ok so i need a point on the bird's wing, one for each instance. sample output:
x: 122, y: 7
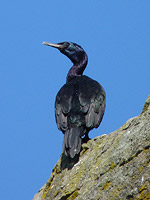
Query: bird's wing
x: 92, y: 100
x: 63, y: 106
x: 88, y: 102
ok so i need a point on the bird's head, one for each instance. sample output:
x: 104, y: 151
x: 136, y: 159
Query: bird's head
x: 73, y: 51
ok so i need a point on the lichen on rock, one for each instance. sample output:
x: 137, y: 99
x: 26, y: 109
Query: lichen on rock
x: 114, y: 166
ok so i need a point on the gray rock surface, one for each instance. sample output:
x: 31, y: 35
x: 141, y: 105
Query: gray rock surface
x: 110, y: 167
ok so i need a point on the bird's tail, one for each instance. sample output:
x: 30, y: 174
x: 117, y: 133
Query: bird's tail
x: 72, y: 141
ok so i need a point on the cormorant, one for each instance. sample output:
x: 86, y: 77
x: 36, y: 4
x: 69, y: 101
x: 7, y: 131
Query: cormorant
x: 80, y: 103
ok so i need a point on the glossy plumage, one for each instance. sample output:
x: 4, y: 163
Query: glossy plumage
x: 80, y: 103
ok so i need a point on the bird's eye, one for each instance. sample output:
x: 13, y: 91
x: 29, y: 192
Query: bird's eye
x: 66, y: 44
x: 71, y: 47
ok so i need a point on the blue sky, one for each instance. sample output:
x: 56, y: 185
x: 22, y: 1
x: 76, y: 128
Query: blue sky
x: 116, y: 37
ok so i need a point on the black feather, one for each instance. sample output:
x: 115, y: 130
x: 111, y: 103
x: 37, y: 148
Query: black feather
x: 85, y: 110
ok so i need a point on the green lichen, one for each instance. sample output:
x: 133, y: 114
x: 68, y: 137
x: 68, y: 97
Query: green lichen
x: 65, y: 195
x: 115, y: 194
x: 74, y: 195
x: 112, y: 165
x: 141, y: 168
x: 46, y: 189
x: 69, y: 195
x: 144, y: 194
x: 57, y: 169
x: 142, y: 188
x: 84, y: 149
x: 57, y: 192
x: 146, y: 149
x: 107, y: 185
x: 55, y: 172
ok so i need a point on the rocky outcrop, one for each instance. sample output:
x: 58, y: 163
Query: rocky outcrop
x: 110, y: 167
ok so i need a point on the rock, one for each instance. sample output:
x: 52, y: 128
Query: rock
x: 110, y: 167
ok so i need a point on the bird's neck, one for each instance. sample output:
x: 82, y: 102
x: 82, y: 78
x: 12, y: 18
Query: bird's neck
x: 77, y: 69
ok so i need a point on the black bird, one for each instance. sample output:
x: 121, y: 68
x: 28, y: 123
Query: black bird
x: 80, y: 103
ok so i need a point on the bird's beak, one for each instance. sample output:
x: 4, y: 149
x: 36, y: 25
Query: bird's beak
x: 58, y: 46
